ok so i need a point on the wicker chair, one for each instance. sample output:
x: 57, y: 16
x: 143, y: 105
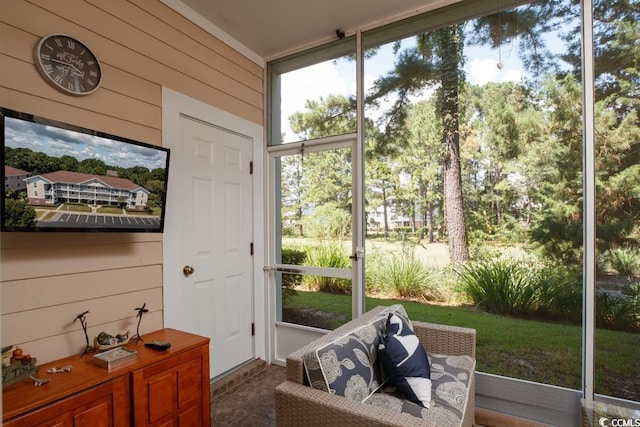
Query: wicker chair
x: 298, y: 404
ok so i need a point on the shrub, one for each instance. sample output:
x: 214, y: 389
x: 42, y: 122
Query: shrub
x: 291, y: 281
x: 499, y: 286
x: 328, y: 221
x: 373, y: 284
x: 626, y: 261
x: 633, y: 293
x: 405, y: 275
x: 559, y: 293
x: 520, y: 288
x: 616, y: 312
x: 329, y: 255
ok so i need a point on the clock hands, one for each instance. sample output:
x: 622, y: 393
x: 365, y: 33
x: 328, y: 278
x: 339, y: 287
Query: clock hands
x: 81, y: 73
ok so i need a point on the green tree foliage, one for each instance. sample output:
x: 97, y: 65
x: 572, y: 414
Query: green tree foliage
x: 17, y: 214
x: 434, y: 62
x: 69, y: 163
x: 157, y: 190
x: 40, y: 163
x: 31, y: 161
x: 420, y: 164
x: 292, y: 194
x: 328, y: 222
x: 93, y: 167
x: 617, y: 110
x: 335, y: 115
x: 518, y: 146
x: 496, y: 196
x: 311, y: 180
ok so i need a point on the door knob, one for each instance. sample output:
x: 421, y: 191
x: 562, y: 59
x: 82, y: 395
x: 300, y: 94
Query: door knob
x: 187, y: 270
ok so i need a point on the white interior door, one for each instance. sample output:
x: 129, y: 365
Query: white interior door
x: 209, y: 216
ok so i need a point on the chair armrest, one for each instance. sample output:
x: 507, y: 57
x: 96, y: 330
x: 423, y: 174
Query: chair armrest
x: 298, y: 405
x: 295, y: 368
x: 445, y: 339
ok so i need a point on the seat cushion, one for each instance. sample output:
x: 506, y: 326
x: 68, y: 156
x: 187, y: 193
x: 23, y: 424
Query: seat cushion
x: 450, y: 377
x: 391, y: 400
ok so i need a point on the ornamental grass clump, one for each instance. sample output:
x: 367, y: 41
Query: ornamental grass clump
x: 406, y: 277
x: 559, y: 293
x: 328, y: 255
x: 626, y: 261
x: 502, y: 286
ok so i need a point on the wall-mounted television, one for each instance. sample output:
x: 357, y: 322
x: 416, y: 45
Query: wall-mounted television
x: 60, y: 177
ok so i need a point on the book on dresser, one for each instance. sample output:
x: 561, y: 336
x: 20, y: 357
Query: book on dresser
x: 115, y: 357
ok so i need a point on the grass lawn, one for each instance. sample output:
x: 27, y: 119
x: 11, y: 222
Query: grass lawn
x: 74, y: 208
x: 544, y: 352
x: 110, y: 210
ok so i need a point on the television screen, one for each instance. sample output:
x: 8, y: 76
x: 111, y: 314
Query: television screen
x: 60, y: 177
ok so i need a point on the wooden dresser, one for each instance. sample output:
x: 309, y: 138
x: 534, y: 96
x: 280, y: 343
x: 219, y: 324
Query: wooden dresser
x: 155, y: 388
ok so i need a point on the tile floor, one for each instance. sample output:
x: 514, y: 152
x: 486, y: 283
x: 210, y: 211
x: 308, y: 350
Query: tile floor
x: 246, y: 398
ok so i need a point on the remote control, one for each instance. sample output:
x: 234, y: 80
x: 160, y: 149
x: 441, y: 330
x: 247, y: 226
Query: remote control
x: 158, y: 345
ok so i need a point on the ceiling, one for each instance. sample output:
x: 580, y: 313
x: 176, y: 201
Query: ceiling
x: 271, y: 28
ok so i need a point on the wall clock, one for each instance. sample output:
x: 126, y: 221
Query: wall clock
x: 68, y: 64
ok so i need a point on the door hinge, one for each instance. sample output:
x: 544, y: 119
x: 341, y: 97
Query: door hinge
x: 251, y: 167
x: 253, y: 329
x: 251, y: 249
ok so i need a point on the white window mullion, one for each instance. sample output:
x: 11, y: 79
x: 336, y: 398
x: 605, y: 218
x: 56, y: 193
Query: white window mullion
x: 359, y: 224
x: 589, y: 203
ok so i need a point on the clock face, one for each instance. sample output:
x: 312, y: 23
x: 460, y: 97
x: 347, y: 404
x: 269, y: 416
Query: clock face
x: 68, y: 64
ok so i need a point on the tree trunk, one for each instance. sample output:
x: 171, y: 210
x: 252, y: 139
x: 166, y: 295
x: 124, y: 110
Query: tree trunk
x: 453, y: 201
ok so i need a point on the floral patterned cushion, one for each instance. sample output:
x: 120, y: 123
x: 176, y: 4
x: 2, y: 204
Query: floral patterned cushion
x: 389, y: 399
x: 450, y: 376
x: 348, y: 365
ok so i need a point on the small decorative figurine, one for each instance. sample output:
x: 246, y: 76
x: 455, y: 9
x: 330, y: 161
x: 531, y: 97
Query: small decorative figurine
x: 105, y: 341
x: 141, y: 311
x: 17, y: 366
x: 83, y: 322
x: 54, y: 370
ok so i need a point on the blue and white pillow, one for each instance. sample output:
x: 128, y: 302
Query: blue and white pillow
x: 405, y: 361
x: 348, y: 366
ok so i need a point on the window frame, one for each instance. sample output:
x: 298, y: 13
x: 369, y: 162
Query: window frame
x: 520, y: 398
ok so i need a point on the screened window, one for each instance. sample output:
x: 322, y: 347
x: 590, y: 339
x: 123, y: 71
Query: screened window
x: 617, y: 151
x: 312, y: 95
x: 474, y: 187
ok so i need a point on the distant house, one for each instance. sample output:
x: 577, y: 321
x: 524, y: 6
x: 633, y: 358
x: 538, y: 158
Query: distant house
x: 63, y: 186
x: 14, y: 178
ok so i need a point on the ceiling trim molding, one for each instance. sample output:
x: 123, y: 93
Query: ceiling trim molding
x: 433, y: 5
x: 213, y: 29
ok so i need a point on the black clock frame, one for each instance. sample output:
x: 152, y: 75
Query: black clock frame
x: 68, y: 64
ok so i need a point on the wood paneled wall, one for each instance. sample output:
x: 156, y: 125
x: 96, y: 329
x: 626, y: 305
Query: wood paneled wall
x: 49, y: 278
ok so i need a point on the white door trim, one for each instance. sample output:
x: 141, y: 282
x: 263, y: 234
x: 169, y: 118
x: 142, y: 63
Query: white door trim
x: 175, y: 105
